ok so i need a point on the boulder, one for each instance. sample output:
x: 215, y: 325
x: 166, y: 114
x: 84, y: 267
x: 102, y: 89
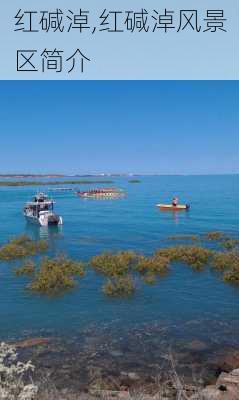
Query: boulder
x: 229, y: 362
x: 232, y: 378
x: 219, y: 393
x: 133, y: 376
x: 226, y: 388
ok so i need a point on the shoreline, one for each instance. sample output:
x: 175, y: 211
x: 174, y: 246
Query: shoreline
x: 52, y: 183
x: 95, y: 365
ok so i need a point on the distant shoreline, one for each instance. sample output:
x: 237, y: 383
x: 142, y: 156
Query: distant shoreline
x: 51, y: 183
x: 25, y: 176
x: 49, y: 176
x: 110, y: 175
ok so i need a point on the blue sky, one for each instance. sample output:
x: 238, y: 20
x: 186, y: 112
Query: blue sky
x: 163, y: 127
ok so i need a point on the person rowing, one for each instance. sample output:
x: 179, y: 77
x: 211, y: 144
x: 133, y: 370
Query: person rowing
x: 175, y: 202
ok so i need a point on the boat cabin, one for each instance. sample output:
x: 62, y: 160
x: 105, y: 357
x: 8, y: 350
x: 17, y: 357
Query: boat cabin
x: 39, y: 204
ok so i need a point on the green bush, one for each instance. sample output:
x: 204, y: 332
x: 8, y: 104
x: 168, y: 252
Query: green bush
x: 184, y: 237
x: 222, y: 261
x: 150, y: 278
x: 114, y: 264
x: 16, y: 376
x: 119, y: 287
x: 22, y: 246
x: 230, y: 244
x: 56, y: 275
x: 214, y: 236
x: 155, y: 265
x: 232, y: 276
x: 196, y: 257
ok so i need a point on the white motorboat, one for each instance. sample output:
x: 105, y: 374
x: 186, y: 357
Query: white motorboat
x: 41, y: 211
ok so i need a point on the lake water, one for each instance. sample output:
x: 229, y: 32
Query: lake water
x: 179, y: 301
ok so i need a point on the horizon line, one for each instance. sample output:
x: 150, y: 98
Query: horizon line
x: 128, y: 174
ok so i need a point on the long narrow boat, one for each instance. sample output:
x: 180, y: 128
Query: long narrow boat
x: 102, y: 193
x: 170, y: 207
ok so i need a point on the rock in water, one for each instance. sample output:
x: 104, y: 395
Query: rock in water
x: 31, y: 342
x: 226, y: 388
x: 197, y: 345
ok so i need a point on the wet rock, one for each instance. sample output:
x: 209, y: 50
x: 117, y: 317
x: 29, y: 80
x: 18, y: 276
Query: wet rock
x: 229, y: 379
x: 226, y: 388
x: 214, y: 393
x: 134, y: 381
x: 116, y: 353
x: 196, y: 345
x: 133, y: 376
x: 231, y: 361
x: 225, y: 362
x: 31, y: 342
x: 114, y: 395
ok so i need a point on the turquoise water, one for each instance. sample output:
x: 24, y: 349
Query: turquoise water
x: 93, y: 226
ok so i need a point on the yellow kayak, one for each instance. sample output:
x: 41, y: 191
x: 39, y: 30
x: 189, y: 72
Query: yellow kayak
x: 170, y: 207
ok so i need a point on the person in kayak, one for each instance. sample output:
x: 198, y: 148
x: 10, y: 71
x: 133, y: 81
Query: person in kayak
x: 175, y: 202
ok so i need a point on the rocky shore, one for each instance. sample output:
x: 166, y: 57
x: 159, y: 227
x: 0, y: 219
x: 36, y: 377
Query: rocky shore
x: 138, y: 364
